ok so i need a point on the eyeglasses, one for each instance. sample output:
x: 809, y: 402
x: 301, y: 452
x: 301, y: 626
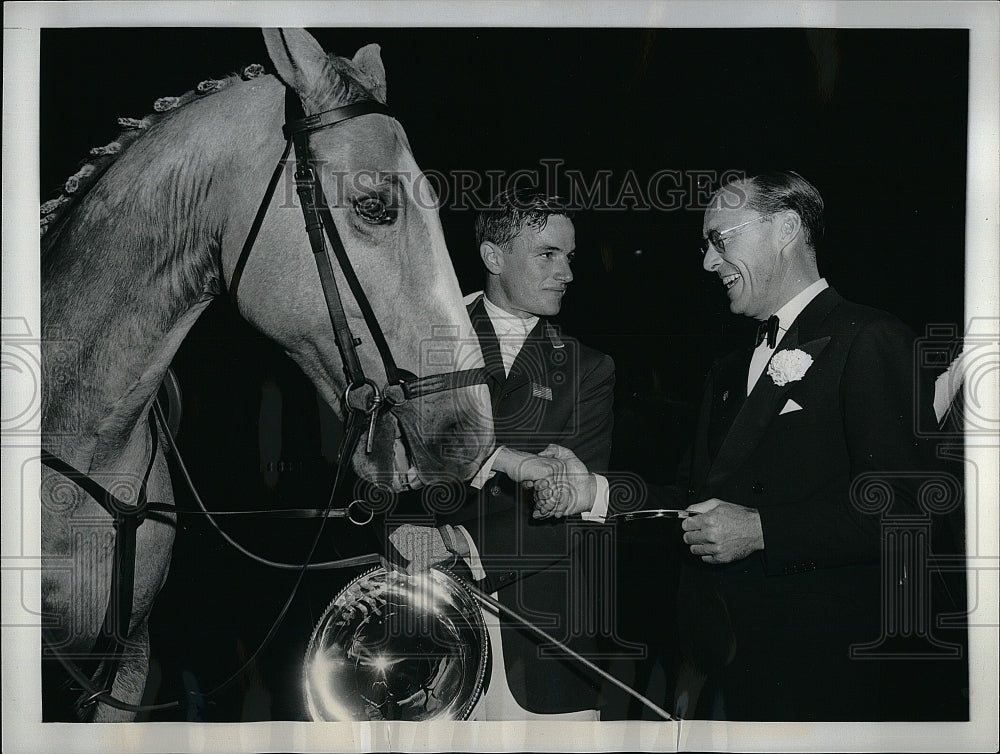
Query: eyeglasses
x: 717, y: 240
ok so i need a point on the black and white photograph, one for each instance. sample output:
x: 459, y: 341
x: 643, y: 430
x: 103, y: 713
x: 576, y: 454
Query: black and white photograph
x: 386, y: 376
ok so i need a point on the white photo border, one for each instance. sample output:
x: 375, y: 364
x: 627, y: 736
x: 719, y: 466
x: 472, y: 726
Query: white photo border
x: 21, y: 646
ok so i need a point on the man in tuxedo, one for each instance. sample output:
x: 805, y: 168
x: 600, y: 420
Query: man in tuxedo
x: 545, y: 388
x: 805, y: 446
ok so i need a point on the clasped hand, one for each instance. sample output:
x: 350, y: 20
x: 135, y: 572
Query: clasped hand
x: 561, y: 483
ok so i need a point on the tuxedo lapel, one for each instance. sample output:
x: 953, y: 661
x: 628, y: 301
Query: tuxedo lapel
x: 764, y: 402
x: 729, y: 395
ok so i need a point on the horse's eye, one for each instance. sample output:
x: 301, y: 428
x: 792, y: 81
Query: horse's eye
x: 373, y: 210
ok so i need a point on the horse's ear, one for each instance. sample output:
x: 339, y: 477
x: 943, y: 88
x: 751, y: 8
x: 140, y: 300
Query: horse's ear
x: 303, y: 65
x: 368, y: 60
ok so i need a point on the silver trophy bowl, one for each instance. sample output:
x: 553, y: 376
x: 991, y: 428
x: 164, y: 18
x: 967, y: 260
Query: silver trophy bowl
x: 397, y: 647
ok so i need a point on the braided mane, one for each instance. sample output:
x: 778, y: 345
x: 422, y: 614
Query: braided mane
x: 101, y: 158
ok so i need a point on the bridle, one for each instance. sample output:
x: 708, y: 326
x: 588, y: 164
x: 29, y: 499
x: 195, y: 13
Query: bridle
x: 362, y: 400
x: 362, y: 396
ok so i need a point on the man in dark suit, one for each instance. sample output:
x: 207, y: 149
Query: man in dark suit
x: 545, y: 388
x: 805, y: 446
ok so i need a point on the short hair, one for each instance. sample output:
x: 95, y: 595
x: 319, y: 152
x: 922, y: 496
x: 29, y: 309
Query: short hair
x: 513, y: 210
x: 777, y: 190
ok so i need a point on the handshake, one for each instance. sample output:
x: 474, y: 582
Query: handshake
x: 561, y: 483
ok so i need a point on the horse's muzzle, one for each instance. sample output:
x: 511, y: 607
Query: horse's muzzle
x: 446, y: 437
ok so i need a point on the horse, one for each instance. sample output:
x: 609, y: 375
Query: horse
x: 151, y: 230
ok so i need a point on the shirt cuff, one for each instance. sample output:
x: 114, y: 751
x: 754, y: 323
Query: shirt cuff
x: 473, y: 561
x: 599, y: 511
x: 486, y: 472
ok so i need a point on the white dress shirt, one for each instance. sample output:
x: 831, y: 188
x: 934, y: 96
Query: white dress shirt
x: 786, y: 316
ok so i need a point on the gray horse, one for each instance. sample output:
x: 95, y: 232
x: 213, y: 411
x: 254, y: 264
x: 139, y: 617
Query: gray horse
x: 149, y: 232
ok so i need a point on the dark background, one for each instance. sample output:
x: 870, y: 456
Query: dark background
x: 876, y: 119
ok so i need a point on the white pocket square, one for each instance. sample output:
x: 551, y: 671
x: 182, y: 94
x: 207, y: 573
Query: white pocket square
x: 789, y: 407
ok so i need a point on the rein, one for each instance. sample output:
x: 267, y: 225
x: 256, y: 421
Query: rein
x: 126, y: 520
x: 114, y: 631
x: 362, y: 399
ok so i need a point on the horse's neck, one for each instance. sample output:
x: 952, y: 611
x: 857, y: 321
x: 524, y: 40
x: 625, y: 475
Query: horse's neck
x: 137, y: 264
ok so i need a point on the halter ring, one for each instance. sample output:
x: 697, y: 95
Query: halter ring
x: 376, y: 399
x: 393, y: 388
x: 355, y: 521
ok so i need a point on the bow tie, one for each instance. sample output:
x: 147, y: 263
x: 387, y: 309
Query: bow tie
x: 767, y: 329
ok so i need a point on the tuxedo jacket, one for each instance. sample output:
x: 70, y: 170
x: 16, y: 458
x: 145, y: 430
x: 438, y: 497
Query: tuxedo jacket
x: 558, y: 391
x: 829, y: 459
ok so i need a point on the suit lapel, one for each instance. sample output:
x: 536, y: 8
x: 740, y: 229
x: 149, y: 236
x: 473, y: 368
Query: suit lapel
x: 764, y: 401
x: 512, y: 395
x: 526, y: 398
x: 728, y: 397
x: 530, y: 364
x: 495, y: 375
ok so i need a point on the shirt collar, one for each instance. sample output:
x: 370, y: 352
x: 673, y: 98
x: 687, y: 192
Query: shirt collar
x: 789, y: 312
x: 505, y: 323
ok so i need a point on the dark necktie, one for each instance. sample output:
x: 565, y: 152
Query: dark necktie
x: 769, y: 330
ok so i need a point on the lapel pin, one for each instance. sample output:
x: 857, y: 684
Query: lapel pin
x: 725, y: 396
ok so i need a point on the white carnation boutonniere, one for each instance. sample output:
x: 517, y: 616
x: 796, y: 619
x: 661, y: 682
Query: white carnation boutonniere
x: 788, y: 366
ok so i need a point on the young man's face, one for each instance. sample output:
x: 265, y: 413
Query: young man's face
x: 535, y: 271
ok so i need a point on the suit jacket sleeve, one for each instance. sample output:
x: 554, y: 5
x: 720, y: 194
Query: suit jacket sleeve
x: 841, y: 524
